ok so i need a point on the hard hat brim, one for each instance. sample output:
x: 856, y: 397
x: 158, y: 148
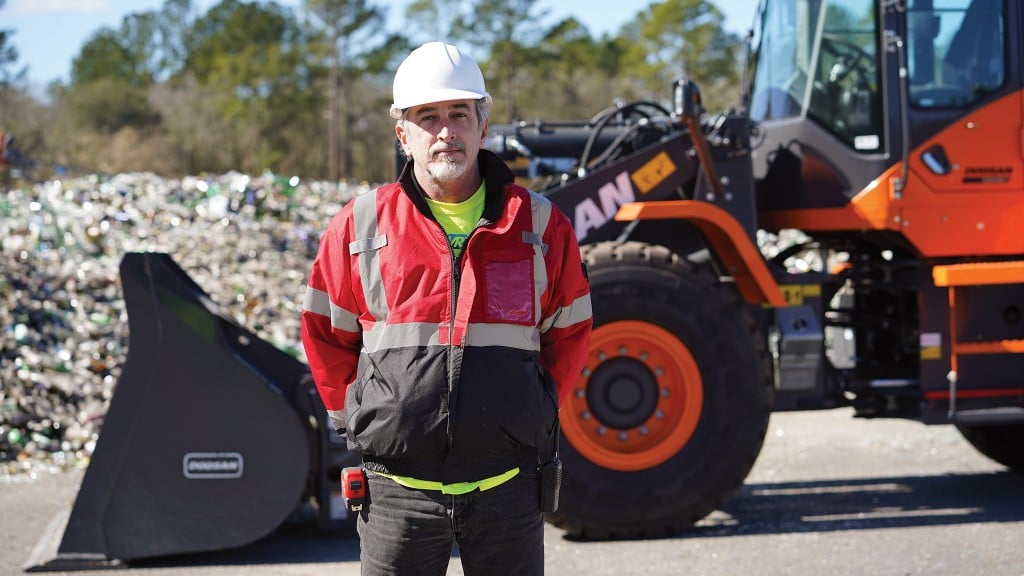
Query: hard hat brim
x: 438, y: 96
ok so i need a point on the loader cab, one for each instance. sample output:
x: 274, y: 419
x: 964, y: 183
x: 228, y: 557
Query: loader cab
x: 841, y: 90
x: 816, y: 96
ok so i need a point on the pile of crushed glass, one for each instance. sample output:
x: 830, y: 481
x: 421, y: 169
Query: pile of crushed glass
x: 248, y: 241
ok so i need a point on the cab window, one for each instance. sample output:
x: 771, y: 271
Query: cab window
x: 820, y: 60
x: 956, y: 51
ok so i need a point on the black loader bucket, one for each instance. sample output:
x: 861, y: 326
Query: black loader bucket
x: 213, y: 438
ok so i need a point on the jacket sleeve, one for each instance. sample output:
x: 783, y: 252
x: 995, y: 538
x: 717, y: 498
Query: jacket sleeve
x: 567, y: 318
x: 331, y: 334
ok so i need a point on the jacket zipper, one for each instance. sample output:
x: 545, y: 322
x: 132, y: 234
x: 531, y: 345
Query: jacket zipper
x: 456, y: 281
x: 453, y: 372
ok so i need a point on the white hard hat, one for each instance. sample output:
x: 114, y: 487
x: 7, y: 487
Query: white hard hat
x: 436, y: 72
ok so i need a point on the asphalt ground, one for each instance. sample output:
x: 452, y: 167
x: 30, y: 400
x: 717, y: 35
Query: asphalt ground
x: 829, y: 495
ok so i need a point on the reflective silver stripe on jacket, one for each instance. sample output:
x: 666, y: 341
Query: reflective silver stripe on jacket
x: 387, y: 336
x: 578, y: 311
x: 384, y: 336
x: 318, y: 302
x: 508, y: 335
x: 540, y: 210
x: 366, y: 245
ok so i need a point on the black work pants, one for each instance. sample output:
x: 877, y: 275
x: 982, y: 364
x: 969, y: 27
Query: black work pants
x: 405, y: 531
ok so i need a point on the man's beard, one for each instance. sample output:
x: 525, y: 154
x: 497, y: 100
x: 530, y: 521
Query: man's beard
x: 447, y: 169
x: 444, y: 168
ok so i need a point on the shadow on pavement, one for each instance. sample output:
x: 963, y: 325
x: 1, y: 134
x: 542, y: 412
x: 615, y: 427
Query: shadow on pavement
x: 298, y: 543
x: 865, y: 504
x: 870, y: 503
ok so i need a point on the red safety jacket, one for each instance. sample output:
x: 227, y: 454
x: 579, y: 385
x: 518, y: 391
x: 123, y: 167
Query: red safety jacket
x: 440, y: 369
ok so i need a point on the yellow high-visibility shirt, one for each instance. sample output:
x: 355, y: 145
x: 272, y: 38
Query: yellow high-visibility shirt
x: 459, y: 219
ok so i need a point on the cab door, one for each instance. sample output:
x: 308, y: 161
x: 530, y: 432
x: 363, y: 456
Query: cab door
x: 963, y: 195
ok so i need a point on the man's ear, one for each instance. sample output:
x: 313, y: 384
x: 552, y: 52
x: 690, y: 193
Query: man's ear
x: 402, y: 137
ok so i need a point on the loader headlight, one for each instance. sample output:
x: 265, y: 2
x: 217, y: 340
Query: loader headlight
x: 686, y: 98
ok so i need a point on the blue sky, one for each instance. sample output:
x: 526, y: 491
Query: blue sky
x: 49, y: 33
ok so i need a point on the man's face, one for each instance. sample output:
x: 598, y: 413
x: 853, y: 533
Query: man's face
x: 442, y: 137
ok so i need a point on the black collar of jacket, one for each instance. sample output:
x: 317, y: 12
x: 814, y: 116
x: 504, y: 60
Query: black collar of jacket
x: 496, y: 175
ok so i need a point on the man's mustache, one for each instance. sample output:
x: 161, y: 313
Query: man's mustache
x: 449, y: 146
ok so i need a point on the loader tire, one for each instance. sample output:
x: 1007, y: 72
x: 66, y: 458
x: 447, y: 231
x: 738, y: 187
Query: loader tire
x: 1000, y: 443
x: 671, y: 410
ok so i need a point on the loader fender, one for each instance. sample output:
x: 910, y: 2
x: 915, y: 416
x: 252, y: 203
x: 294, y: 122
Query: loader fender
x: 727, y: 239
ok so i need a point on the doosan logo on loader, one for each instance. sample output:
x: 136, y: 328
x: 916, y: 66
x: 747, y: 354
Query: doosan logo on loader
x: 205, y: 465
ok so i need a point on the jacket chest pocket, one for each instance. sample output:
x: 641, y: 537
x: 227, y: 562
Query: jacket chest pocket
x: 509, y: 287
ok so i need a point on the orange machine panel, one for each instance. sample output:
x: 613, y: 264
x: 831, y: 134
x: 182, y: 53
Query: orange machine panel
x: 974, y: 209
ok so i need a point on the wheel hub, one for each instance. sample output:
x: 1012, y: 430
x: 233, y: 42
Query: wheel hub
x: 622, y: 393
x: 638, y: 400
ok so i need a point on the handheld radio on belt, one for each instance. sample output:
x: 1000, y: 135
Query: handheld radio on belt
x: 353, y: 488
x: 551, y: 478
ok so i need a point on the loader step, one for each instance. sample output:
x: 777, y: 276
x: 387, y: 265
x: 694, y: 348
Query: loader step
x: 997, y: 347
x: 979, y: 273
x: 989, y: 416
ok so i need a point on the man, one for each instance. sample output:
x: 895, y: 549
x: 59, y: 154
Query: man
x: 446, y: 315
